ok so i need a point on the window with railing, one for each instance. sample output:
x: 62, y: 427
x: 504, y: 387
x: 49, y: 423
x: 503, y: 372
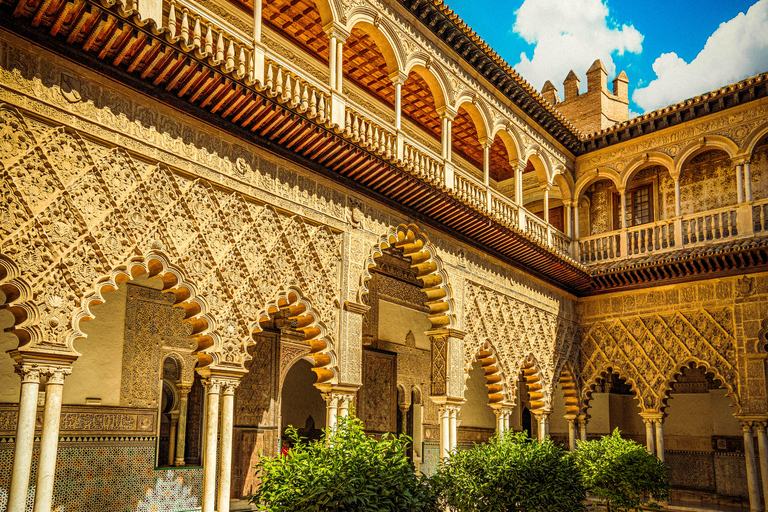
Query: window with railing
x: 639, y: 207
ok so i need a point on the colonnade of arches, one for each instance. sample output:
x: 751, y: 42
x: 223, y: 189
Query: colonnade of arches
x: 673, y: 189
x: 415, y: 95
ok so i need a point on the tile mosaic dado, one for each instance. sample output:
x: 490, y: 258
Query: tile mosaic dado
x: 110, y: 474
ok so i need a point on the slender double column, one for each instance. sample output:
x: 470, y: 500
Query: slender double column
x: 502, y: 419
x: 542, y: 420
x: 583, y: 420
x: 225, y: 454
x: 650, y: 444
x: 762, y: 444
x: 25, y: 436
x: 49, y: 440
x: 212, y: 395
x: 448, y: 428
x: 749, y: 456
x: 659, y: 424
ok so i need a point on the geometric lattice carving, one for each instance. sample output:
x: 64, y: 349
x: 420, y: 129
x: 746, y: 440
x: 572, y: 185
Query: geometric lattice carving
x: 517, y: 332
x: 78, y: 227
x: 649, y: 351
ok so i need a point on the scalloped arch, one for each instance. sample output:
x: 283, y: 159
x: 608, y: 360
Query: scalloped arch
x: 431, y: 271
x: 589, y: 387
x: 298, y: 308
x: 666, y: 388
x: 495, y: 376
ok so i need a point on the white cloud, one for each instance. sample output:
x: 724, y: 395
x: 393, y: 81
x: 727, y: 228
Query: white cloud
x: 570, y: 35
x: 736, y: 50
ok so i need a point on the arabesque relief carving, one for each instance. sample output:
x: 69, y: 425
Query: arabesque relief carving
x: 76, y: 219
x: 517, y: 332
x: 648, y: 350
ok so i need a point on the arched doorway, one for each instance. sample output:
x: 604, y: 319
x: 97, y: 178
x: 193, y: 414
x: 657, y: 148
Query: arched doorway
x: 301, y: 403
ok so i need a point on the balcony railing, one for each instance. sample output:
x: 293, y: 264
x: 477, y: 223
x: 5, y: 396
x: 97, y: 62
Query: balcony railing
x: 195, y: 25
x: 721, y: 224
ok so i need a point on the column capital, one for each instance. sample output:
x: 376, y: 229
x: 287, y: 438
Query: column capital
x: 546, y: 187
x: 485, y: 142
x: 334, y: 29
x: 543, y: 414
x: 654, y: 416
x: 184, y: 388
x: 56, y: 374
x: 447, y: 112
x: 398, y: 77
x: 28, y: 372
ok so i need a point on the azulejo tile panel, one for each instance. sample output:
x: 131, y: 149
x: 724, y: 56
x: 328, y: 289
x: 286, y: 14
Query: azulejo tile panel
x: 113, y: 474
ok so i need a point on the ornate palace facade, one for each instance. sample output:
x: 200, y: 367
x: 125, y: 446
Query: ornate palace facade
x: 217, y: 224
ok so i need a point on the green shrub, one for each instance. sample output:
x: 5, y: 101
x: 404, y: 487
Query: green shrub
x: 346, y: 471
x: 620, y: 472
x: 510, y: 473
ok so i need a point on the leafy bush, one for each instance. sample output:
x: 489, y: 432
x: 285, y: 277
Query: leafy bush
x: 510, y: 473
x: 620, y: 472
x: 346, y: 471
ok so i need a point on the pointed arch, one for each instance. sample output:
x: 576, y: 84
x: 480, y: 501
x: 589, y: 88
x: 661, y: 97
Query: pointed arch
x: 430, y: 271
x: 292, y: 305
x: 672, y: 376
x: 538, y: 394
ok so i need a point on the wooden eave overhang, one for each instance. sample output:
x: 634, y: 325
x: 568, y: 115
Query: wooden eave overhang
x: 714, y: 260
x: 730, y: 96
x: 115, y: 42
x: 436, y: 16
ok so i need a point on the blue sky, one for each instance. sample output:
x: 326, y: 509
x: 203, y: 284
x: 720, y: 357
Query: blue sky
x: 671, y: 50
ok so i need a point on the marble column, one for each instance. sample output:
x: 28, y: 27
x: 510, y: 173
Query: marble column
x: 583, y: 426
x: 344, y: 404
x: 172, y: 441
x: 545, y: 189
x: 739, y: 185
x: 25, y: 436
x: 339, y: 64
x: 678, y: 204
x: 659, y: 423
x: 762, y: 444
x: 225, y: 454
x: 332, y: 61
x: 650, y: 444
x: 748, y: 181
x: 398, y: 103
x: 213, y: 389
x: 486, y: 162
x: 453, y: 425
x: 49, y: 440
x: 331, y: 409
x: 445, y: 436
x: 572, y: 433
x: 181, y: 434
x: 749, y: 456
x: 501, y: 417
x: 542, y: 419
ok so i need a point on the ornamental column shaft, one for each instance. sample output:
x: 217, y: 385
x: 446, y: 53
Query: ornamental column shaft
x: 181, y: 434
x: 331, y: 409
x: 213, y: 389
x: 583, y: 427
x: 174, y: 417
x: 332, y: 62
x: 650, y: 444
x: 678, y: 205
x: 445, y: 441
x: 398, y: 104
x: 749, y: 457
x: 49, y: 440
x: 225, y: 455
x: 453, y: 412
x: 762, y: 444
x: 660, y: 439
x: 25, y: 437
x: 339, y: 65
x: 572, y: 434
x: 542, y: 419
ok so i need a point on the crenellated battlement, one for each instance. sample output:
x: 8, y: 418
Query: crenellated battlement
x: 597, y: 108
